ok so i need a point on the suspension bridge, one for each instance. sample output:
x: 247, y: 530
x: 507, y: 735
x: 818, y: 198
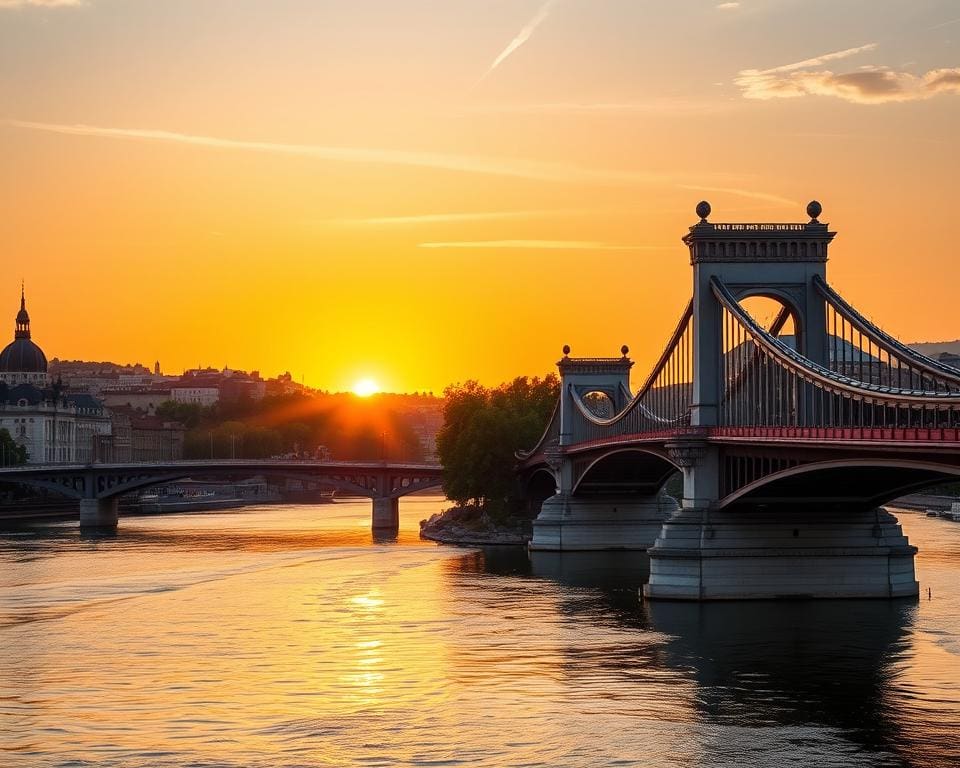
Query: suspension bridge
x: 790, y: 435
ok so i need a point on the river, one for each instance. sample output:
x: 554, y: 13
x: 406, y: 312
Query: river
x: 286, y: 636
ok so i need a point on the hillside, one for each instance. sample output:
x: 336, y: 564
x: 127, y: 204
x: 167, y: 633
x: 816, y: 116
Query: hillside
x: 935, y: 348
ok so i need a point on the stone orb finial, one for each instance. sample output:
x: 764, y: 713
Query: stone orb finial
x: 566, y: 350
x: 814, y: 209
x: 703, y: 210
x: 624, y: 350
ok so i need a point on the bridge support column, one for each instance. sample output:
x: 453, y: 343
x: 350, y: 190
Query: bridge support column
x: 788, y: 553
x: 98, y: 514
x: 572, y: 523
x: 386, y: 515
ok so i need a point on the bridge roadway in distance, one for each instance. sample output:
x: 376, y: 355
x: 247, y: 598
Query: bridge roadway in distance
x: 789, y: 435
x: 99, y: 486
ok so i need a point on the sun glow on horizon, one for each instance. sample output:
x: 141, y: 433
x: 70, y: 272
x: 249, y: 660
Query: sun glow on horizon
x: 366, y: 387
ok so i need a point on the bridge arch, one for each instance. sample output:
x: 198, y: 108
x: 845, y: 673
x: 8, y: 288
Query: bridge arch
x: 788, y: 320
x: 630, y: 470
x: 857, y: 484
x: 141, y: 483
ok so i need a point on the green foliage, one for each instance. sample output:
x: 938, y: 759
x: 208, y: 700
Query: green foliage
x: 188, y: 414
x: 482, y: 431
x: 11, y: 454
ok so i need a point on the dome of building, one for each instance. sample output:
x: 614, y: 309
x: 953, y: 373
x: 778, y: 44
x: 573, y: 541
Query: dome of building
x: 22, y: 355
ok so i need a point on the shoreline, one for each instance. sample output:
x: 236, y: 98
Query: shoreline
x: 472, y: 526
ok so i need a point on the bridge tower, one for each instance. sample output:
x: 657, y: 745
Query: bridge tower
x: 776, y: 261
x: 612, y: 512
x: 707, y: 551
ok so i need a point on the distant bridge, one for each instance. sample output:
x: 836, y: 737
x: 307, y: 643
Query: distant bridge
x: 99, y: 486
x: 788, y: 442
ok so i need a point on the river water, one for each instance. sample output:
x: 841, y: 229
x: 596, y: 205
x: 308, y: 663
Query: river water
x: 286, y: 636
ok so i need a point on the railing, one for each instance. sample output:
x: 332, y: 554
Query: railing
x: 551, y: 435
x: 759, y: 227
x: 769, y: 384
x: 861, y: 350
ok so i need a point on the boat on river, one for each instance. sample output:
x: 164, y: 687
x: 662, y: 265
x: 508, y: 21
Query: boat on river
x: 203, y: 501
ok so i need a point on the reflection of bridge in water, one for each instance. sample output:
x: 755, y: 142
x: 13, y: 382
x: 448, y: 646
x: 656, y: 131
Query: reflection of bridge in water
x: 810, y: 679
x: 99, y: 486
x: 789, y: 436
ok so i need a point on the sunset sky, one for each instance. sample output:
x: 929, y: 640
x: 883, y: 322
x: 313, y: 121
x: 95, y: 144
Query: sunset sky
x: 425, y: 191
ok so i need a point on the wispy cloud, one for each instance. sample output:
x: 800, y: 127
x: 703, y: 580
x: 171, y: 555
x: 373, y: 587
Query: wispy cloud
x: 449, y: 218
x: 521, y: 38
x: 491, y: 166
x: 867, y: 85
x: 649, y: 107
x: 816, y: 61
x: 875, y: 85
x: 765, y: 196
x: 546, y: 245
x: 41, y: 3
x: 943, y: 24
x: 727, y: 6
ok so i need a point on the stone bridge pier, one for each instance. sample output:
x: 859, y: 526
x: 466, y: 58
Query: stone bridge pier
x: 99, y: 514
x: 386, y: 515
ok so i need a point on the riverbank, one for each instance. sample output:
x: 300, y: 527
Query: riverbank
x: 924, y: 502
x: 472, y: 525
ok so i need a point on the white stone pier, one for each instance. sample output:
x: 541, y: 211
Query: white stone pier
x: 571, y: 523
x: 771, y: 554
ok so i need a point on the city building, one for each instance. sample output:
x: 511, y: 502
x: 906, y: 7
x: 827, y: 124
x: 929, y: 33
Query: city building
x: 145, y: 399
x: 135, y: 436
x: 22, y: 361
x: 53, y: 424
x: 199, y: 392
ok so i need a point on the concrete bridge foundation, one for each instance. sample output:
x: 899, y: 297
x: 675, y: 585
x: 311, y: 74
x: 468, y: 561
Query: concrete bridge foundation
x: 571, y: 523
x: 386, y: 515
x: 772, y: 554
x: 98, y: 514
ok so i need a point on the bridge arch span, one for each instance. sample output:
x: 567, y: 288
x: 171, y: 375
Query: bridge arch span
x: 858, y: 484
x: 141, y: 483
x: 631, y: 470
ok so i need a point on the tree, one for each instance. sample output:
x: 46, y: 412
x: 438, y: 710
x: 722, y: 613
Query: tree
x: 11, y: 453
x: 482, y: 431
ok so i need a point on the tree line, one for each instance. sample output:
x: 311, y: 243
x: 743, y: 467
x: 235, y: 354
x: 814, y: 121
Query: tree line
x: 349, y: 428
x: 483, y: 428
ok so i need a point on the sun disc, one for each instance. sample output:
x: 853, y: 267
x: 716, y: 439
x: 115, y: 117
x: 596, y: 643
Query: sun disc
x: 365, y: 388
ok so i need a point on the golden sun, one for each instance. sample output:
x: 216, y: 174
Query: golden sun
x: 365, y: 388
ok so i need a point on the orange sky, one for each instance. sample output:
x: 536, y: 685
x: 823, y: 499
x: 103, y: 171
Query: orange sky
x: 433, y: 190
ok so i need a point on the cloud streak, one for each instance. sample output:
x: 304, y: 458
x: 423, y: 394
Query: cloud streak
x: 868, y: 85
x: 651, y: 107
x: 41, y: 3
x: 521, y: 38
x: 466, y: 216
x: 875, y: 85
x: 944, y: 24
x: 491, y: 166
x: 546, y: 245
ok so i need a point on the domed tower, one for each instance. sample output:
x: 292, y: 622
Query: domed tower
x: 22, y: 361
